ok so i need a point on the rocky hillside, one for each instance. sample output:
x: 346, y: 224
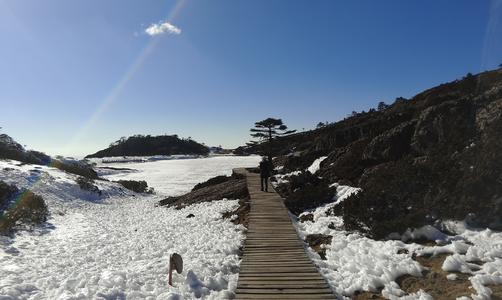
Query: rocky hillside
x: 141, y: 145
x: 10, y: 149
x: 419, y: 161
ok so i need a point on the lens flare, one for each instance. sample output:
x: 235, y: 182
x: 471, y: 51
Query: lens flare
x: 115, y: 92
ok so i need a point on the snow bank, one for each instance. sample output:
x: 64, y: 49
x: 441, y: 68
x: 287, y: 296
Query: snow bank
x: 314, y: 167
x: 357, y: 263
x: 354, y: 262
x: 117, y: 245
x: 427, y: 232
x: 284, y: 178
x: 474, y: 251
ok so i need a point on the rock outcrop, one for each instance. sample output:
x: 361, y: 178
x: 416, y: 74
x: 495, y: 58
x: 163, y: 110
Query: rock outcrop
x: 436, y: 156
x: 233, y: 187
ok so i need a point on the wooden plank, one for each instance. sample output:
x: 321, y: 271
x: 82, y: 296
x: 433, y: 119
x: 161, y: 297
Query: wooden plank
x: 283, y: 283
x: 265, y: 259
x: 271, y: 251
x: 282, y: 279
x: 312, y: 274
x: 276, y: 285
x: 283, y: 296
x: 285, y: 291
x: 274, y: 263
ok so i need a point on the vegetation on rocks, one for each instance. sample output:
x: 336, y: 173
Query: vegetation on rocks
x: 10, y: 149
x: 81, y: 168
x: 140, y: 186
x: 87, y: 184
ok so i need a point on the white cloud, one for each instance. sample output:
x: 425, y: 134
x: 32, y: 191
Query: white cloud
x: 161, y: 28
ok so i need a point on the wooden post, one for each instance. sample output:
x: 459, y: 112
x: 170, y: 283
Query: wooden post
x: 175, y: 262
x: 170, y: 270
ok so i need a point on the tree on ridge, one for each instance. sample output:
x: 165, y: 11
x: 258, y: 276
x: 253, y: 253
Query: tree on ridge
x: 267, y: 130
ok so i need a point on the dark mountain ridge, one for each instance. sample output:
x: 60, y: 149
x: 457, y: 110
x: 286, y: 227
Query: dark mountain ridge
x: 436, y: 156
x: 141, y: 145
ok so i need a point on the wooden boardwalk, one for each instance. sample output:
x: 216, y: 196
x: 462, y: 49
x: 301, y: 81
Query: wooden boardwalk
x: 274, y: 264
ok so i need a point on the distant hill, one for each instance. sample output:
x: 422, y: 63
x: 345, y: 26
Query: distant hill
x: 146, y: 145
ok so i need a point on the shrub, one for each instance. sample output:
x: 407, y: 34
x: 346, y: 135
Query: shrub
x: 87, y: 184
x: 75, y: 167
x: 139, y: 186
x: 26, y: 208
x: 6, y: 192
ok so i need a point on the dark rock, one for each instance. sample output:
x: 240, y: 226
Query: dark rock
x: 309, y: 196
x: 315, y: 241
x: 190, y: 216
x: 306, y: 217
x: 211, y: 181
x: 231, y: 189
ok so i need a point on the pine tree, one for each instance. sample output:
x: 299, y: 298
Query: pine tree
x: 382, y: 106
x: 267, y: 130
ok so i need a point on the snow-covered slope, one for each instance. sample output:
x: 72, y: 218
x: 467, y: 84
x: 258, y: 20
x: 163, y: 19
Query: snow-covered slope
x: 117, y: 245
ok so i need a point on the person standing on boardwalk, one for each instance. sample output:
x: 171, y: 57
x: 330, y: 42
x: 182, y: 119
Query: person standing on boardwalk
x: 265, y: 167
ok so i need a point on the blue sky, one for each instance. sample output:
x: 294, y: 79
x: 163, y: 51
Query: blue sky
x: 77, y: 75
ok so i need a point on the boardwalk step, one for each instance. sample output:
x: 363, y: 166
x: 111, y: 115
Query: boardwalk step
x: 274, y: 263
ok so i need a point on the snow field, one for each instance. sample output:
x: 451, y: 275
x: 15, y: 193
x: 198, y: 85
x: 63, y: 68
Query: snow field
x: 175, y: 177
x: 117, y: 245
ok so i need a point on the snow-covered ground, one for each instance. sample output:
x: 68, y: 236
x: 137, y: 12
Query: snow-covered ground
x: 357, y: 263
x: 175, y: 177
x: 117, y: 245
x: 136, y: 159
